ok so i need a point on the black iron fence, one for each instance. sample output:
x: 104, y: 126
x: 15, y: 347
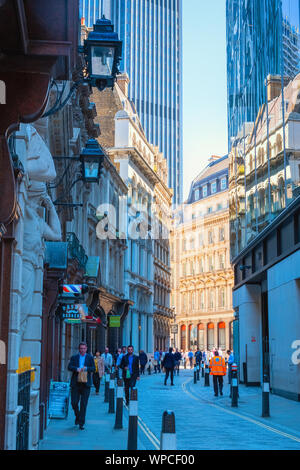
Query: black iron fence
x: 23, y: 417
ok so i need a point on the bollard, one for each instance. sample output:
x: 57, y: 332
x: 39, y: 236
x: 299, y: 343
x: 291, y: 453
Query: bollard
x: 133, y: 421
x: 149, y: 367
x: 206, y: 380
x: 266, y: 397
x: 106, y: 390
x: 195, y: 375
x: 202, y: 367
x: 234, y: 386
x: 198, y: 371
x: 111, y: 394
x: 168, y: 433
x: 119, y: 408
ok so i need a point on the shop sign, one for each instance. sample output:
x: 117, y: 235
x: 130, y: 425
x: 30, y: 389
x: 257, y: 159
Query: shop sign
x: 114, y: 321
x: 74, y: 313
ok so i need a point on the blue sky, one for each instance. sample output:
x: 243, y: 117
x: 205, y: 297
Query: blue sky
x: 204, y: 85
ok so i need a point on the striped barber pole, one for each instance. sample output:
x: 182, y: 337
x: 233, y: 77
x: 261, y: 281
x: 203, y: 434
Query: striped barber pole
x: 72, y: 289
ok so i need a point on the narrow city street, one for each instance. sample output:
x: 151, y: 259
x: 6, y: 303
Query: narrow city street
x: 203, y: 422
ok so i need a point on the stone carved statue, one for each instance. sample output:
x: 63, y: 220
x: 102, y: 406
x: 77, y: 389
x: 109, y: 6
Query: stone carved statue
x: 40, y: 169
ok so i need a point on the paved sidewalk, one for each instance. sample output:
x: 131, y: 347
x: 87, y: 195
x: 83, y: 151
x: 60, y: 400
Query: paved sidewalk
x: 99, y: 432
x: 202, y: 420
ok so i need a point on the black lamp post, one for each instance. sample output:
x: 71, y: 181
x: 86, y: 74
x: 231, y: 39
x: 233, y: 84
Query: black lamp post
x: 92, y: 157
x: 103, y: 51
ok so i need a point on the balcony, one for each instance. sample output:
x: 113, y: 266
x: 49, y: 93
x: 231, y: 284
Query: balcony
x: 75, y: 250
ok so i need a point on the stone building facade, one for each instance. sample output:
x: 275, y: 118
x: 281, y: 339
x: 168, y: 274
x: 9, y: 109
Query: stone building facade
x: 200, y: 259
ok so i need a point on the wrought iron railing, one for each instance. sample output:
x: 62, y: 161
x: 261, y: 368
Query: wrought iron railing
x: 23, y: 417
x: 75, y: 250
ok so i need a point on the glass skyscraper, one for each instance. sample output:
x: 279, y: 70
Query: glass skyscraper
x: 262, y: 39
x: 151, y: 31
x: 263, y: 114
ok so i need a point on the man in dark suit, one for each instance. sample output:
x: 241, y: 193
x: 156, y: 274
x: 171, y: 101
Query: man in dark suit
x: 131, y: 371
x: 169, y: 363
x: 81, y: 390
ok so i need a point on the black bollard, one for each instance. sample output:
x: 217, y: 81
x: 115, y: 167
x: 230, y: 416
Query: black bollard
x: 119, y: 408
x: 234, y: 386
x: 168, y: 433
x: 202, y: 367
x: 195, y: 375
x: 111, y: 394
x: 133, y: 421
x: 266, y: 397
x: 206, y: 380
x: 198, y: 371
x: 106, y: 390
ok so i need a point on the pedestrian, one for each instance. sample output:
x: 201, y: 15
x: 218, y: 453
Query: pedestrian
x: 230, y: 362
x: 131, y: 371
x: 177, y: 357
x: 116, y: 355
x: 184, y: 359
x: 118, y: 363
x: 169, y: 363
x: 108, y: 361
x: 198, y: 357
x: 99, y: 372
x: 217, y: 370
x: 82, y: 366
x: 156, y: 361
x: 143, y: 361
x: 191, y: 357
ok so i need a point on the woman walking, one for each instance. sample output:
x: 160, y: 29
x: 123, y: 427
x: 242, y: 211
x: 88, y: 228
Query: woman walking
x: 98, y: 374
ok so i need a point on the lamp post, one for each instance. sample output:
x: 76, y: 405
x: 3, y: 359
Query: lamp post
x: 103, y: 52
x: 91, y: 158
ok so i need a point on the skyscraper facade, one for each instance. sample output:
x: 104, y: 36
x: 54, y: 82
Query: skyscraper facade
x: 262, y: 39
x: 151, y: 31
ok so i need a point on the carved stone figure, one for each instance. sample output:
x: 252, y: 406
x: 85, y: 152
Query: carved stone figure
x: 40, y: 169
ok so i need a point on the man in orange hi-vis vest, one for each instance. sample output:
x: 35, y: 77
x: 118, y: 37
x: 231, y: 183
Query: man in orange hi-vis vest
x: 217, y: 370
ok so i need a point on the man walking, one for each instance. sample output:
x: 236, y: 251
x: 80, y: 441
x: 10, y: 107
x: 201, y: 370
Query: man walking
x: 217, y: 370
x: 107, y: 358
x: 191, y: 357
x: 131, y: 371
x: 82, y: 366
x: 169, y: 363
x: 118, y: 363
x: 177, y: 357
x: 157, y: 361
x: 143, y: 361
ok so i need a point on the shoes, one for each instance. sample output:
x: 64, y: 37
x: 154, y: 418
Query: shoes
x: 221, y: 393
x: 216, y: 395
x: 165, y: 384
x: 81, y: 427
x: 172, y: 384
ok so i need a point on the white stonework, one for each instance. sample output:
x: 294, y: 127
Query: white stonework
x: 27, y: 274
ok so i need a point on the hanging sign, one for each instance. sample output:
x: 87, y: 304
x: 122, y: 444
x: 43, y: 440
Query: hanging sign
x: 114, y: 321
x: 74, y: 313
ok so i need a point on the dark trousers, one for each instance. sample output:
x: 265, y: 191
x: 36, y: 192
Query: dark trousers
x: 128, y: 384
x: 80, y: 392
x: 157, y: 368
x: 96, y: 381
x: 177, y: 367
x: 169, y: 372
x: 143, y: 369
x: 218, y: 381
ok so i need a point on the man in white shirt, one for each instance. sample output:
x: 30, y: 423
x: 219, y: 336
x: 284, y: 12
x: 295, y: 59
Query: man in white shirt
x: 107, y: 358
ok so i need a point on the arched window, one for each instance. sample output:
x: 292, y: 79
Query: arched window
x: 221, y: 336
x: 210, y: 336
x: 201, y: 336
x: 183, y: 337
x: 193, y: 336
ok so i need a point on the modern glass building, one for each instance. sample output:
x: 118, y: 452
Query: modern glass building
x: 262, y: 39
x: 151, y: 31
x: 263, y: 61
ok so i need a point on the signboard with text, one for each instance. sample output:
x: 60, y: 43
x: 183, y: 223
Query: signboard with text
x: 114, y: 321
x: 74, y: 313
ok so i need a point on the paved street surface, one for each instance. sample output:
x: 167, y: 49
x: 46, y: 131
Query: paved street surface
x: 202, y: 420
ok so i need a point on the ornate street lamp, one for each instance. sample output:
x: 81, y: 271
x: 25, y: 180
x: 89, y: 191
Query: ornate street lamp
x: 103, y: 51
x: 92, y: 157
